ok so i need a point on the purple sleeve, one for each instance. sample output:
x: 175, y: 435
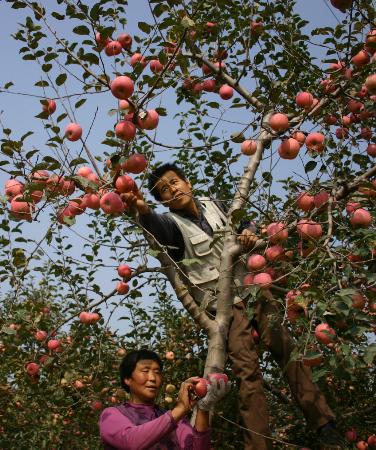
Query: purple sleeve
x: 190, y: 438
x: 119, y: 432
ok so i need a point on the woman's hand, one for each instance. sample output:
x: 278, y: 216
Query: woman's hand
x: 185, y: 401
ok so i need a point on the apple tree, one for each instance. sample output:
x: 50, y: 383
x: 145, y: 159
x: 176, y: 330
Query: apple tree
x: 264, y: 111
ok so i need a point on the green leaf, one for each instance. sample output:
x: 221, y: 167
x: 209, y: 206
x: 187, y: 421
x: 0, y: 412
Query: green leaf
x: 41, y: 83
x: 81, y: 30
x: 57, y: 15
x: 145, y: 27
x: 46, y: 67
x: 370, y: 353
x: 311, y: 165
x: 60, y: 79
x: 8, y: 85
x: 80, y: 103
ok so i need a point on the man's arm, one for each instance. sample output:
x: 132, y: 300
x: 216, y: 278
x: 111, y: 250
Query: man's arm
x: 161, y: 226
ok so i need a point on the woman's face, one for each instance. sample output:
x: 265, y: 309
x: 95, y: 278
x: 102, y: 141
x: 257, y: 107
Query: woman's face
x: 145, y: 381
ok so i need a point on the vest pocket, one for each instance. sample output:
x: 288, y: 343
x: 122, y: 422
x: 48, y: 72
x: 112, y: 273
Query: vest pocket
x: 201, y: 244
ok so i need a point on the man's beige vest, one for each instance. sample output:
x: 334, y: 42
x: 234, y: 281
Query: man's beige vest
x: 202, y: 256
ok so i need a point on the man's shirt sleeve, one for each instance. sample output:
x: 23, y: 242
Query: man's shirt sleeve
x: 166, y: 232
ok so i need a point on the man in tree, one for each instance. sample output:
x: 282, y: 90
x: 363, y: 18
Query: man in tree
x: 191, y: 231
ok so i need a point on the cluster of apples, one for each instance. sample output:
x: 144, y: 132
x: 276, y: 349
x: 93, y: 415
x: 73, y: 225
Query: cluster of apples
x: 125, y: 272
x: 23, y: 197
x: 122, y: 88
x: 352, y: 436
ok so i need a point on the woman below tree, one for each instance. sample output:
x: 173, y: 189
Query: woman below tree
x: 140, y: 424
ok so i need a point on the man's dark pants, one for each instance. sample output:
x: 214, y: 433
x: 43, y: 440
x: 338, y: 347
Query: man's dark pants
x: 245, y: 363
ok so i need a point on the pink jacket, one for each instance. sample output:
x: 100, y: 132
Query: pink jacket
x: 143, y: 427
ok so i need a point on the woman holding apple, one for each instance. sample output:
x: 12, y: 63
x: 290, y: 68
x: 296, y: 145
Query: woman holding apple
x: 140, y: 424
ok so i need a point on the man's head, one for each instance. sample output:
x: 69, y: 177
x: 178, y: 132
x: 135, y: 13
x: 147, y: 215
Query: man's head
x: 141, y: 375
x: 169, y: 185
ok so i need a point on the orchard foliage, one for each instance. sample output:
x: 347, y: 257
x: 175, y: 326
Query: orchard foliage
x: 231, y: 84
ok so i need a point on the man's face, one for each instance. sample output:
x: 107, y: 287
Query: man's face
x: 175, y: 192
x: 145, y: 381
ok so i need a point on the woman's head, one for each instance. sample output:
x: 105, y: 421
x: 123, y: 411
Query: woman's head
x: 141, y: 375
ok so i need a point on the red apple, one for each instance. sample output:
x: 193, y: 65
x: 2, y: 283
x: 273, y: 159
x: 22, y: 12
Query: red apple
x: 84, y: 317
x: 263, y: 279
x: 122, y: 87
x: 274, y: 253
x: 277, y: 232
x: 361, y: 218
x: 101, y: 41
x: 49, y: 106
x: 256, y: 262
x: 156, y: 66
x: 136, y: 163
x: 309, y: 229
x: 32, y: 369
x: 53, y: 344
x: 305, y: 202
x: 73, y: 132
x: 77, y: 206
x: 62, y: 213
x: 209, y: 85
x: 371, y: 441
x: 360, y: 59
x: 226, y: 92
x: 248, y: 147
x: 299, y: 136
x: 13, y: 187
x: 279, y: 122
x: 40, y: 176
x: 358, y: 300
x: 315, y: 142
x: 137, y: 59
x: 125, y: 40
x: 304, y: 99
x: 248, y: 279
x: 324, y: 333
x: 96, y: 405
x: 362, y: 445
x: 320, y: 199
x: 37, y: 196
x: 201, y: 387
x: 111, y: 203
x: 113, y: 48
x: 342, y: 5
x: 21, y: 209
x: 371, y: 150
x: 170, y: 356
x: 125, y: 130
x: 371, y: 83
x: 124, y: 183
x: 124, y: 271
x: 40, y: 335
x: 289, y: 148
x: 352, y: 206
x: 122, y: 288
x: 366, y: 133
x: 342, y: 133
x: 84, y: 171
x: 257, y: 27
x: 148, y: 121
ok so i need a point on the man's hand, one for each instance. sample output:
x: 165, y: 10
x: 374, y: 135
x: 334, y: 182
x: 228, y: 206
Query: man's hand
x: 135, y: 201
x: 248, y: 239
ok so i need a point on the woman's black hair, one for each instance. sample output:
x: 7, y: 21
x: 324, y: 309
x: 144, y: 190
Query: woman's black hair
x: 158, y: 173
x: 130, y: 361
